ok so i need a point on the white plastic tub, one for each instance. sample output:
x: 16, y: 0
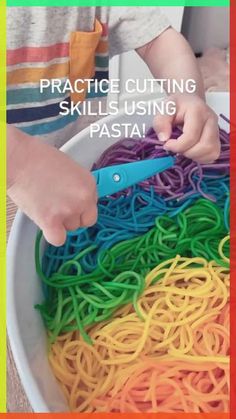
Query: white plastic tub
x: 25, y: 327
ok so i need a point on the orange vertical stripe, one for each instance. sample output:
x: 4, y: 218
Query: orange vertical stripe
x: 82, y: 57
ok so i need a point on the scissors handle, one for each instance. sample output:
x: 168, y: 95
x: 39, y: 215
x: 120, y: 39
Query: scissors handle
x: 113, y: 179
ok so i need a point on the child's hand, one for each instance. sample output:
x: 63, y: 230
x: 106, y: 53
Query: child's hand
x: 54, y: 191
x: 200, y: 139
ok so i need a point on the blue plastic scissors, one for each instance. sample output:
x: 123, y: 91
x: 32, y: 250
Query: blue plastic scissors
x: 113, y: 179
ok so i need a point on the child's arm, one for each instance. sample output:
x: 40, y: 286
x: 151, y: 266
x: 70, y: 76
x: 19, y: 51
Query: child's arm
x: 54, y: 191
x: 169, y: 56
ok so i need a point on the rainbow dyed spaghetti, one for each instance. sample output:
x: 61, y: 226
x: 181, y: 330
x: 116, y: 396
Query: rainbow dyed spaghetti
x: 133, y: 211
x: 174, y: 358
x: 137, y: 307
x: 76, y: 298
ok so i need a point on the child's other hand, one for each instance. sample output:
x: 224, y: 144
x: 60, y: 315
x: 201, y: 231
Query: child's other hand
x: 200, y: 139
x: 54, y: 191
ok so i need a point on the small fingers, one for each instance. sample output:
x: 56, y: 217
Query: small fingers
x: 72, y: 222
x: 87, y: 219
x: 208, y: 148
x: 193, y: 127
x: 89, y: 216
x: 55, y: 235
x: 162, y: 124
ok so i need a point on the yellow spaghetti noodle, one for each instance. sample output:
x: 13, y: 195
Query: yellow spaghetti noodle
x: 173, y: 357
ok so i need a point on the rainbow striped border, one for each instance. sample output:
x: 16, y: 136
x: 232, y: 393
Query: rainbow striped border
x: 61, y: 3
x: 2, y: 206
x: 68, y: 3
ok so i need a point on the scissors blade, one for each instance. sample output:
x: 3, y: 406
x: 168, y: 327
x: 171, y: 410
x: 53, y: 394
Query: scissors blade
x: 114, y: 179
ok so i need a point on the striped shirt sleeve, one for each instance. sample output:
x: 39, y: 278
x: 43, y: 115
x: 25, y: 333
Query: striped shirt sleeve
x: 133, y: 27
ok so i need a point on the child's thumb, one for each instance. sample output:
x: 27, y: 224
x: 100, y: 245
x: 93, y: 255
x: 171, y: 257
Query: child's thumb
x: 55, y: 235
x: 162, y: 124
